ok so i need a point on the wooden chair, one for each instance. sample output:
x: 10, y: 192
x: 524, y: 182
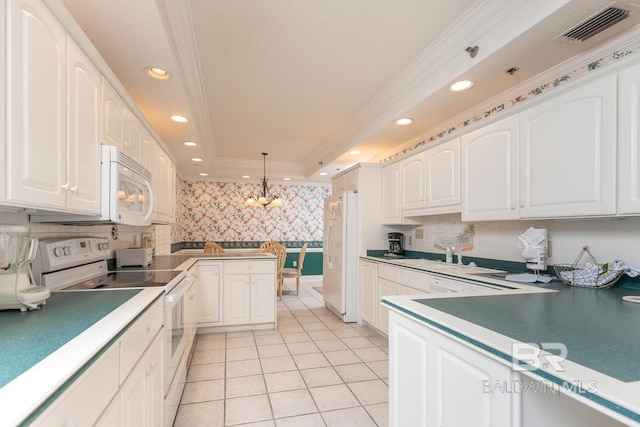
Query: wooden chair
x: 281, y: 252
x: 264, y: 247
x: 296, y: 272
x: 213, y: 248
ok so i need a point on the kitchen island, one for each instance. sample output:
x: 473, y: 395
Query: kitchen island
x: 550, y: 355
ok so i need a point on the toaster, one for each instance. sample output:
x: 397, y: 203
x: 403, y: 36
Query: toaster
x: 139, y: 257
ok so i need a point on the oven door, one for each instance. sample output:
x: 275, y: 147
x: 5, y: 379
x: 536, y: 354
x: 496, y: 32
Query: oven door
x: 176, y: 330
x: 131, y: 197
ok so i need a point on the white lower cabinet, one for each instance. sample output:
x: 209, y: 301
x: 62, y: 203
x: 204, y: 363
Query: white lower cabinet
x: 436, y: 381
x: 249, y: 292
x: 142, y: 394
x: 248, y: 299
x: 209, y: 302
x: 386, y: 288
x: 369, y: 300
x: 73, y: 407
x: 130, y: 376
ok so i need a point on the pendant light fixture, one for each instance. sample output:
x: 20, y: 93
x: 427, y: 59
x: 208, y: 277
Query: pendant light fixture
x: 263, y: 199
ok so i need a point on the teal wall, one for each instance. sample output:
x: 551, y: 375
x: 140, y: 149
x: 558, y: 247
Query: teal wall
x: 312, y: 263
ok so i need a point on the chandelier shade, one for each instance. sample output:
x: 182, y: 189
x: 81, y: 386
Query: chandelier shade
x: 263, y: 199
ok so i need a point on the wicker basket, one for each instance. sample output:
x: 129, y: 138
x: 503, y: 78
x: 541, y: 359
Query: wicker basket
x: 590, y: 275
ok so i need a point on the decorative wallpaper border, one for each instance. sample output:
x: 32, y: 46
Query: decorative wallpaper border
x: 595, y: 64
x: 244, y: 245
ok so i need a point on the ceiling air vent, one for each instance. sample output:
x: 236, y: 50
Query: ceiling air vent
x: 595, y: 24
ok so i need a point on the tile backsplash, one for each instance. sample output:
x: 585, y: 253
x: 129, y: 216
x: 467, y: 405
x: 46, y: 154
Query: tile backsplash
x: 608, y: 238
x: 125, y: 237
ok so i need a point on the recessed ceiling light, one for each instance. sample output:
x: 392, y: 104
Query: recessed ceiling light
x: 322, y: 173
x: 189, y: 143
x: 461, y: 85
x: 196, y: 159
x: 286, y: 179
x: 179, y: 119
x: 203, y: 174
x: 404, y: 122
x: 246, y: 176
x: 354, y: 152
x: 157, y: 73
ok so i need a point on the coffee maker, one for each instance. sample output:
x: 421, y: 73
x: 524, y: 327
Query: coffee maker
x: 396, y: 245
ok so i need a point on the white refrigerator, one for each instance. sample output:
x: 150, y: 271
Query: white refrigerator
x: 340, y: 256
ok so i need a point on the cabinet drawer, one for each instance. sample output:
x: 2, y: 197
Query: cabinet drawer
x: 66, y: 411
x: 250, y: 267
x: 388, y: 272
x: 439, y: 284
x: 137, y: 338
x: 404, y: 276
x: 414, y: 279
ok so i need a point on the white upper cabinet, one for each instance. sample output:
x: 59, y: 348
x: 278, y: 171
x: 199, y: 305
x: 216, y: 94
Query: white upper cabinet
x: 490, y: 172
x: 114, y: 113
x: 53, y: 93
x: 3, y: 105
x: 629, y: 141
x: 36, y: 88
x: 133, y: 137
x: 442, y: 170
x: 164, y: 189
x: 391, y: 182
x: 120, y: 127
x: 568, y: 153
x: 414, y: 192
x: 84, y: 81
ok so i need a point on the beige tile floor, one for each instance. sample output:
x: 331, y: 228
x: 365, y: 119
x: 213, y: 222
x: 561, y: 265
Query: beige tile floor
x: 314, y: 370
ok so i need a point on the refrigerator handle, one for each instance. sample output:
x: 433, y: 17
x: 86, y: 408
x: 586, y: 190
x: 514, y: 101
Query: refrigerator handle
x: 329, y: 245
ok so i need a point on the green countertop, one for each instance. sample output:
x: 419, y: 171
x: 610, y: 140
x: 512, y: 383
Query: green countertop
x: 600, y: 330
x: 29, y: 337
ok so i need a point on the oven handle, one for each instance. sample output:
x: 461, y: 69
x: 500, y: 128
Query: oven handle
x: 182, y: 289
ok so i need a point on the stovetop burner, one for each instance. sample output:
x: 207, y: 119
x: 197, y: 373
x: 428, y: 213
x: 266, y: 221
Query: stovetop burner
x: 127, y: 279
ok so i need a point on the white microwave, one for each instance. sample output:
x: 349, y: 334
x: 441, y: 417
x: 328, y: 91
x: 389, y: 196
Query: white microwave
x: 127, y: 196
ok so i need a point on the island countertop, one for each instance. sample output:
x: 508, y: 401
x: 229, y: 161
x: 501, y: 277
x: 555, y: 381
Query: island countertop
x: 598, y: 329
x: 184, y: 261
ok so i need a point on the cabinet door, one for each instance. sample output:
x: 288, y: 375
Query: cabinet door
x: 629, y: 141
x: 3, y: 105
x: 409, y: 374
x: 142, y: 394
x: 114, y: 112
x: 72, y: 407
x: 369, y: 300
x: 237, y: 299
x: 263, y: 298
x: 164, y: 196
x: 414, y: 182
x: 84, y: 109
x: 442, y: 169
x: 490, y: 172
x: 133, y: 137
x: 572, y: 136
x: 391, y: 181
x: 36, y: 90
x: 461, y: 380
x: 209, y: 298
x: 385, y: 288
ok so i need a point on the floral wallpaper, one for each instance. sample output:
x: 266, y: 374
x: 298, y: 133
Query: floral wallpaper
x: 216, y: 211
